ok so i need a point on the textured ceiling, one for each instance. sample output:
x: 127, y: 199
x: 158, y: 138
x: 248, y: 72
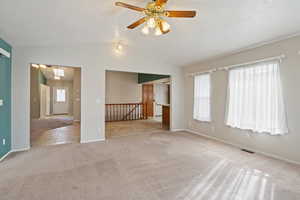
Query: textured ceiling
x: 221, y: 26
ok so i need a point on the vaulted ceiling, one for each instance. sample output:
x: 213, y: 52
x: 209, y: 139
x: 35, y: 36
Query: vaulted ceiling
x: 221, y: 26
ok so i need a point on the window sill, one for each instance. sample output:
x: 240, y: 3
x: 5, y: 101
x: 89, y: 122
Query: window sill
x: 202, y: 121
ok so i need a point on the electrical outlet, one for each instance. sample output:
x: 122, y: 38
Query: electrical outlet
x: 3, y: 141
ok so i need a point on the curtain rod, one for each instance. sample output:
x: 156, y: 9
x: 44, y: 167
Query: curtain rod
x: 253, y: 62
x: 202, y: 72
x: 238, y: 65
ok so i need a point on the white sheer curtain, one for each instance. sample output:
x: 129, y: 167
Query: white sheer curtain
x: 202, y: 97
x: 255, y: 99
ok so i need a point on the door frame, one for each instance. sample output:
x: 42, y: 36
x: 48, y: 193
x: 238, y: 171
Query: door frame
x: 47, y: 103
x: 170, y: 92
x: 29, y: 99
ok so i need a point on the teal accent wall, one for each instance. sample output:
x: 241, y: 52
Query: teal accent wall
x: 5, y: 95
x: 142, y: 78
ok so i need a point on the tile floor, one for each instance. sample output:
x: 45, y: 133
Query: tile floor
x: 151, y: 166
x: 63, y: 135
x: 57, y: 129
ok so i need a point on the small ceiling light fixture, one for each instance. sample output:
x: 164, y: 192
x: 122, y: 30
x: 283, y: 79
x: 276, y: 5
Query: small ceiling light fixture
x: 35, y: 65
x: 43, y: 66
x: 119, y: 47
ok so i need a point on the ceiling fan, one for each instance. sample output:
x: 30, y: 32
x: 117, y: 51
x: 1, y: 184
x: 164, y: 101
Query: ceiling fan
x: 155, y: 11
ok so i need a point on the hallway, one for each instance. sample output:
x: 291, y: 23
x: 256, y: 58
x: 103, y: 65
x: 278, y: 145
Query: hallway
x: 57, y: 129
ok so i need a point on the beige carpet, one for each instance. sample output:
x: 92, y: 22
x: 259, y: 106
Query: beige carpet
x: 157, y: 166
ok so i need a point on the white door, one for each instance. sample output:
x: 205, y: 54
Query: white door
x: 60, y: 100
x: 44, y: 101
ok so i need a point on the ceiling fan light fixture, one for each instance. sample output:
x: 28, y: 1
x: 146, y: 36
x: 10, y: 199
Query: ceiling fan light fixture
x: 154, y: 12
x: 157, y: 31
x: 151, y: 22
x: 145, y: 30
x: 165, y: 26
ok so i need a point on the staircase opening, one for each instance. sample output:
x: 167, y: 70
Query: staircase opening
x: 136, y: 103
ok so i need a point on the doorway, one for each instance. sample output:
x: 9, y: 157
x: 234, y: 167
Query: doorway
x: 148, y: 98
x: 134, y: 103
x: 55, y: 108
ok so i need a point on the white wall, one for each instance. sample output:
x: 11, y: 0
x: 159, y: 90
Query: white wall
x: 94, y: 60
x: 122, y: 87
x: 287, y: 146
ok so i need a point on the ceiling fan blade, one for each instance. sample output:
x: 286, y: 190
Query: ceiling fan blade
x: 137, y: 23
x: 125, y: 5
x: 160, y: 2
x: 173, y: 13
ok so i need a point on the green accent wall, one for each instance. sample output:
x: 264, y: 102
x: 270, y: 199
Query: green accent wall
x: 5, y: 95
x: 142, y: 78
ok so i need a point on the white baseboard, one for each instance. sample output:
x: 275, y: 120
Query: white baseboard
x: 177, y: 130
x: 89, y: 141
x: 241, y: 147
x: 12, y: 151
x: 3, y: 157
x: 19, y: 150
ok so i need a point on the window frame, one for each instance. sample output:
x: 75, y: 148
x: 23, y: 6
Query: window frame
x: 254, y: 129
x: 209, y: 120
x: 56, y: 95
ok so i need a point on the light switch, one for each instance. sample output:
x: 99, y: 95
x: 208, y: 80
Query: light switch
x: 1, y: 102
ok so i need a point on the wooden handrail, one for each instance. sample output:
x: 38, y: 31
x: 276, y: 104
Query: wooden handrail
x: 125, y: 112
x: 133, y: 109
x: 123, y: 104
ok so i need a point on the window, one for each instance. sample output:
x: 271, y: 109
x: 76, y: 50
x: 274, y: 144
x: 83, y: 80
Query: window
x: 61, y: 95
x: 59, y: 72
x: 202, y: 97
x: 255, y: 100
